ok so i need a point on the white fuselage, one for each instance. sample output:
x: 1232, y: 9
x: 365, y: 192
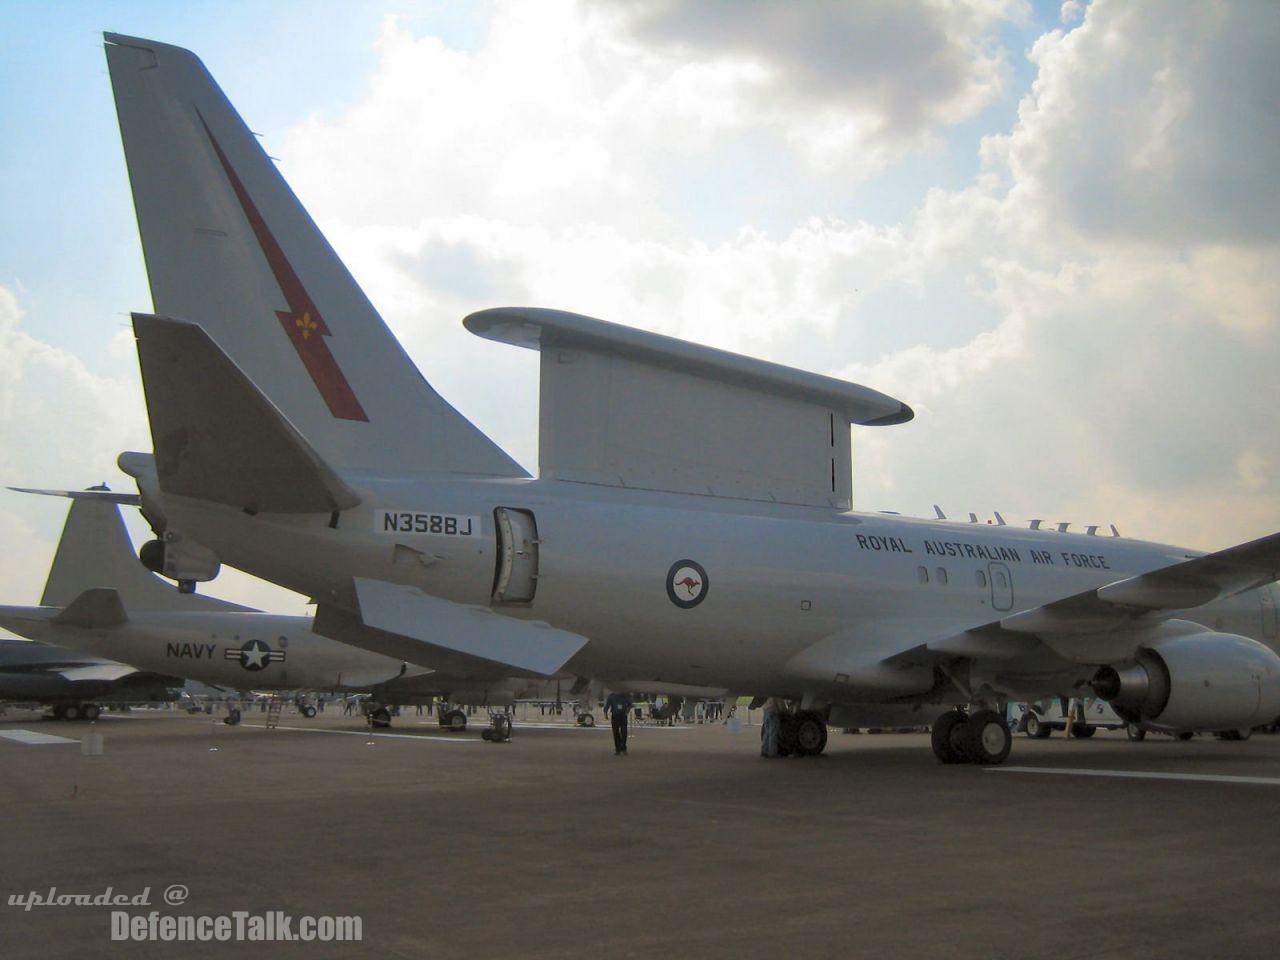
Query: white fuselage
x: 779, y: 579
x: 243, y: 651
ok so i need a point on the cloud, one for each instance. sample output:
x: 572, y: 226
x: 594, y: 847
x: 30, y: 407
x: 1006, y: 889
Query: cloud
x: 1085, y: 328
x: 872, y: 70
x: 1151, y: 128
x: 60, y: 426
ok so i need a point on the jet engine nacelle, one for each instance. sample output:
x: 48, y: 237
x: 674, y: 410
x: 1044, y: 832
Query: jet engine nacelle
x: 1197, y: 681
x: 178, y: 559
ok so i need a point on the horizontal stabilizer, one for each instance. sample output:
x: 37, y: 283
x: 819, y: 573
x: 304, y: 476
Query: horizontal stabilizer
x: 100, y: 494
x: 98, y: 607
x: 474, y: 632
x: 217, y: 437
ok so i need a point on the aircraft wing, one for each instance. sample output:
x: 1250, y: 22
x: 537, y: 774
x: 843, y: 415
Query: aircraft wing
x: 403, y: 622
x: 1097, y: 625
x: 217, y: 437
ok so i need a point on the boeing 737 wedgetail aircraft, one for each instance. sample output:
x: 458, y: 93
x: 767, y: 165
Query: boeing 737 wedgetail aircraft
x: 99, y: 599
x: 691, y: 524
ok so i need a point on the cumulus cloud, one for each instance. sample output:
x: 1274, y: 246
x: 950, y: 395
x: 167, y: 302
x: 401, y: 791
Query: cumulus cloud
x: 876, y: 70
x: 1128, y: 370
x: 1151, y: 128
x: 1085, y: 328
x: 62, y: 426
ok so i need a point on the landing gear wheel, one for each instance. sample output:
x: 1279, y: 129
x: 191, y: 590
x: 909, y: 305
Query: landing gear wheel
x: 1242, y: 734
x: 1083, y: 731
x: 71, y: 712
x: 986, y: 739
x: 810, y: 735
x: 1186, y: 735
x: 60, y: 711
x: 91, y: 711
x: 501, y: 728
x: 233, y: 717
x: 1036, y: 728
x: 586, y: 720
x: 380, y: 717
x: 307, y: 710
x: 454, y: 720
x: 945, y: 737
x: 1135, y: 732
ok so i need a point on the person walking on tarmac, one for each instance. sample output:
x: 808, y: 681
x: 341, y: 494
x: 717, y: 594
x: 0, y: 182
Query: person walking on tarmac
x: 774, y: 707
x: 617, y: 706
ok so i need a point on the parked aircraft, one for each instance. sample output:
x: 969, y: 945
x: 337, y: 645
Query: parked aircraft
x: 73, y: 684
x: 100, y: 600
x: 691, y: 524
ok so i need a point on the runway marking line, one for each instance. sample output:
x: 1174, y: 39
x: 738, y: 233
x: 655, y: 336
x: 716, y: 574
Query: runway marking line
x: 1139, y: 775
x: 366, y: 733
x: 31, y: 737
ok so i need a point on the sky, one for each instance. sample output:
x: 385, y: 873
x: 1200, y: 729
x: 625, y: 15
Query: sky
x: 1051, y: 228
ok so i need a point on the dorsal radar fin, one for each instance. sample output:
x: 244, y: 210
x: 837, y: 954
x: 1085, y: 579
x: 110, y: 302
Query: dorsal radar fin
x: 626, y: 407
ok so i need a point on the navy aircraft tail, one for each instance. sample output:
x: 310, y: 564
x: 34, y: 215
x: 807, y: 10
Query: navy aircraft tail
x: 96, y: 575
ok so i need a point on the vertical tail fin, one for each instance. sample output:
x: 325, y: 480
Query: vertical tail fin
x: 95, y: 551
x: 229, y: 247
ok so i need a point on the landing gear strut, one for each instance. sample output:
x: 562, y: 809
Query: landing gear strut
x: 981, y: 737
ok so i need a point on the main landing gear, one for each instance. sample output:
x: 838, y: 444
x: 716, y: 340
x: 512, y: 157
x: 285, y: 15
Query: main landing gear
x: 981, y: 737
x: 76, y: 711
x: 801, y: 734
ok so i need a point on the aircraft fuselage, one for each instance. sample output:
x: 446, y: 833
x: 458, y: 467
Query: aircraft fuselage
x: 695, y: 590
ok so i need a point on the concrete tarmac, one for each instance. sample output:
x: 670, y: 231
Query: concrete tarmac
x: 550, y: 846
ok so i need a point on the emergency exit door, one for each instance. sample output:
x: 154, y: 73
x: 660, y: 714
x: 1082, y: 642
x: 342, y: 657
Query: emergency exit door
x: 1001, y: 586
x: 517, y: 574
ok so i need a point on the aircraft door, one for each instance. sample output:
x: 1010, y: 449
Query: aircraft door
x: 517, y: 574
x: 1001, y: 586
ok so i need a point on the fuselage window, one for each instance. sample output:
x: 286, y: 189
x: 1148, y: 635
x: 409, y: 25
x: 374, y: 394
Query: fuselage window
x: 923, y: 574
x: 982, y: 579
x: 942, y: 576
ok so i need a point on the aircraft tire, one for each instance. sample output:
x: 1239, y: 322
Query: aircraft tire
x: 1083, y: 730
x: 60, y: 711
x: 232, y: 718
x: 1186, y: 735
x: 986, y: 739
x: 307, y: 711
x: 1036, y: 728
x: 380, y: 717
x: 946, y: 735
x: 90, y: 711
x: 456, y: 721
x: 71, y: 712
x: 811, y: 734
x: 586, y: 720
x: 1135, y: 732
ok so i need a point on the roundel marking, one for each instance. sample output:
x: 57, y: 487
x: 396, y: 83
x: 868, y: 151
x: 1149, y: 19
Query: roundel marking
x: 255, y: 655
x: 687, y: 583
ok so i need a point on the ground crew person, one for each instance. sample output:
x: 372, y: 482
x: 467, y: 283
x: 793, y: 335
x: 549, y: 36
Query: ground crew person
x: 617, y: 706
